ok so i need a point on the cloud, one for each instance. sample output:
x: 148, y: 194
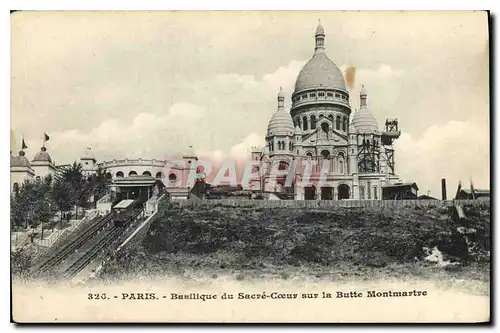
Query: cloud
x: 445, y: 151
x: 284, y: 76
x: 381, y: 75
x: 243, y: 149
x: 148, y: 84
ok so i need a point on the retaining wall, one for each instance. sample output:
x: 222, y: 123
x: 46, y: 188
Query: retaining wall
x: 330, y: 203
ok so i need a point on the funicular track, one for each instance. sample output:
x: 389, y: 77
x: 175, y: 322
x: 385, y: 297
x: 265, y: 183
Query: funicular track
x: 74, y: 242
x: 97, y: 246
x: 80, y: 249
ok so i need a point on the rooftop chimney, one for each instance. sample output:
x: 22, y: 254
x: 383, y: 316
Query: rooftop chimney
x: 443, y: 188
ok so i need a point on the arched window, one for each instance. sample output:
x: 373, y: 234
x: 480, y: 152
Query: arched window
x: 146, y: 173
x: 159, y: 175
x: 375, y: 194
x: 282, y: 165
x: 330, y: 117
x: 325, y: 154
x: 304, y: 123
x: 290, y: 146
x: 119, y: 174
x: 337, y: 124
x: 132, y: 173
x: 344, y: 124
x: 313, y: 122
x: 325, y: 127
x: 362, y: 192
x: 309, y: 155
x: 108, y: 176
x: 172, y: 177
x: 15, y: 187
x: 37, y: 178
x: 341, y: 163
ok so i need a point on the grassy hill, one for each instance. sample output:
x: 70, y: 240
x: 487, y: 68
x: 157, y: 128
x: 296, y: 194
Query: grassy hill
x: 284, y: 241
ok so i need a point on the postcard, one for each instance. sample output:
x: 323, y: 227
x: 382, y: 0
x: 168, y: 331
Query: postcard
x: 250, y: 166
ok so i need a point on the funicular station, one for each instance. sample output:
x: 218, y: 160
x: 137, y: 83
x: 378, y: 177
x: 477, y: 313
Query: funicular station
x: 136, y: 192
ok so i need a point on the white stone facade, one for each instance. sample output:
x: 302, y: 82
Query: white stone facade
x: 349, y: 157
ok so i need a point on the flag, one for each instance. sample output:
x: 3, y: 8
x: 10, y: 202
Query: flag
x: 45, y: 137
x: 24, y: 145
x: 472, y: 189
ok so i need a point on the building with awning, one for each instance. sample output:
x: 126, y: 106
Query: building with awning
x: 400, y: 191
x: 468, y: 194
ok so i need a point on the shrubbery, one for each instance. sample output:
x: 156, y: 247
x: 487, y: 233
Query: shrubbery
x: 371, y: 237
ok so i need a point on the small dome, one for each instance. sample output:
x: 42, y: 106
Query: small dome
x: 281, y: 123
x: 319, y: 29
x: 363, y: 120
x: 20, y: 161
x: 42, y: 156
x: 88, y: 154
x: 189, y: 152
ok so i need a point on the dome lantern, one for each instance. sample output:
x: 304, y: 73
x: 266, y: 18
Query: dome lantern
x: 320, y: 38
x: 363, y: 95
x: 281, y: 122
x: 320, y: 71
x: 281, y: 99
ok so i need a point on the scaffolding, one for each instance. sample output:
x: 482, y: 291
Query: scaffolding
x: 369, y: 155
x: 390, y: 134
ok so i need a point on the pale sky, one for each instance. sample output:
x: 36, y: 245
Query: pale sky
x: 149, y: 84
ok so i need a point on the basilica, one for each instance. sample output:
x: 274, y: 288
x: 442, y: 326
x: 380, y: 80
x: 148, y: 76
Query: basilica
x: 349, y: 155
x: 348, y: 149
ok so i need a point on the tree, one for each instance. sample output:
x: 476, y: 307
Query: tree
x: 23, y: 205
x: 75, y: 182
x: 61, y: 196
x: 42, y: 212
x: 42, y: 203
x: 96, y: 185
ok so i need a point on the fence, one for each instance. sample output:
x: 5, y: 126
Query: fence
x: 329, y: 203
x: 58, y: 233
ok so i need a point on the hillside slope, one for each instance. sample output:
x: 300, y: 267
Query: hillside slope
x: 345, y: 239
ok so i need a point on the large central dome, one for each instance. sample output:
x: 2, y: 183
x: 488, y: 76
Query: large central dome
x: 320, y: 71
